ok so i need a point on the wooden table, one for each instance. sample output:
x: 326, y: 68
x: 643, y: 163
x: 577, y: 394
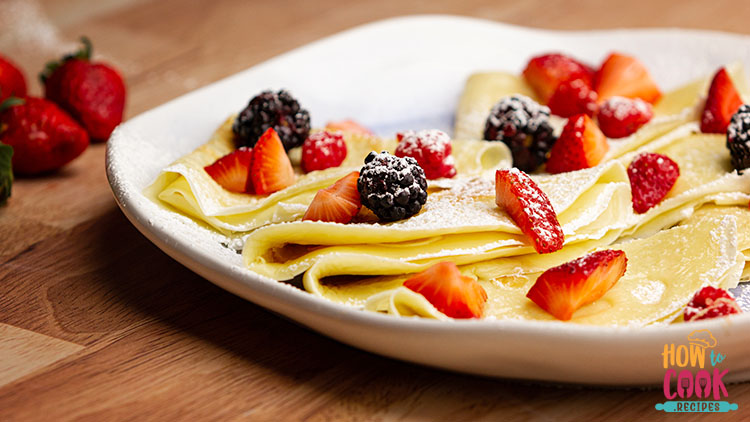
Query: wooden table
x: 96, y: 323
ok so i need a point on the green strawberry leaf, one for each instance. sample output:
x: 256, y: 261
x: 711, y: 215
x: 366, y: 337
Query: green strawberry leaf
x: 82, y: 54
x: 6, y: 172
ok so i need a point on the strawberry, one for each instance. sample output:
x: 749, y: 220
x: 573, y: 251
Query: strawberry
x: 562, y: 290
x: 93, y: 93
x: 722, y: 102
x: 432, y: 150
x: 580, y: 145
x: 651, y: 177
x: 270, y: 170
x: 619, y: 117
x: 338, y: 203
x: 544, y: 73
x: 625, y: 76
x: 323, y: 150
x: 12, y: 81
x: 451, y: 293
x: 43, y: 136
x: 529, y: 208
x: 348, y: 126
x: 232, y: 171
x: 711, y: 302
x: 573, y: 97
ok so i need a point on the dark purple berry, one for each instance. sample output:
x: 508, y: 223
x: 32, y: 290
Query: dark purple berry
x: 278, y: 110
x: 394, y: 188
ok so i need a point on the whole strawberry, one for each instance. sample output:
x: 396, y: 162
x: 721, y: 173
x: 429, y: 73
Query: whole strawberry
x: 12, y: 82
x: 43, y: 136
x: 93, y: 93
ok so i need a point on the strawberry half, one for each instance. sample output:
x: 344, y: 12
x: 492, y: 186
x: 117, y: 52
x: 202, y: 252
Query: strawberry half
x: 530, y: 209
x: 232, y: 171
x: 348, y: 126
x: 562, y: 290
x: 271, y: 170
x: 619, y: 117
x: 338, y: 203
x: 580, y: 145
x: 573, y: 97
x: 625, y: 76
x: 722, y: 102
x: 453, y: 294
x: 544, y: 73
x: 651, y: 177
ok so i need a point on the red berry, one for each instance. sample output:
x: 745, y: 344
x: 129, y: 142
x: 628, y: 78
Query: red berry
x: 12, y: 81
x: 711, y: 302
x: 625, y: 76
x: 573, y: 97
x: 270, y: 170
x: 338, y: 203
x: 43, y: 136
x: 544, y: 73
x: 451, y: 293
x: 530, y: 209
x: 620, y: 117
x: 232, y: 171
x: 323, y: 150
x: 432, y: 150
x: 581, y: 145
x: 348, y: 125
x: 722, y: 102
x: 651, y: 177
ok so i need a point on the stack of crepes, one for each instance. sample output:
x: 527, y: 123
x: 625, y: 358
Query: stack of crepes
x: 689, y: 240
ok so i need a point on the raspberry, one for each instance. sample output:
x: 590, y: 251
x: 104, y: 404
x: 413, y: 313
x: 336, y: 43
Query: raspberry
x: 738, y: 138
x: 711, y: 302
x: 432, y: 150
x: 651, y: 177
x: 620, y: 117
x: 323, y: 150
x: 523, y: 125
x: 392, y: 187
x: 573, y: 97
x: 277, y: 110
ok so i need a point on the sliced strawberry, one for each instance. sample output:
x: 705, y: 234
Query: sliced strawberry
x: 545, y: 73
x: 562, y: 290
x: 619, y: 117
x: 232, y: 170
x: 625, y: 76
x: 529, y: 208
x: 651, y: 177
x: 338, y: 203
x: 711, y: 302
x: 722, y: 102
x: 348, y: 126
x: 580, y: 145
x: 271, y: 169
x: 453, y: 294
x: 573, y: 97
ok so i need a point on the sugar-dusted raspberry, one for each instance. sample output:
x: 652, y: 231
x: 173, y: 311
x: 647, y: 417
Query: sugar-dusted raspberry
x: 738, y: 138
x: 711, y: 302
x: 392, y: 187
x: 651, y: 177
x: 323, y: 150
x: 432, y: 150
x: 620, y: 117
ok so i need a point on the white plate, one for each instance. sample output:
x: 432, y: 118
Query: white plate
x: 407, y: 73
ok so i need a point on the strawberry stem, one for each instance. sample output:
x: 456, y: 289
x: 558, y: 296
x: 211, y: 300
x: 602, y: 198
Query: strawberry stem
x: 82, y: 54
x: 10, y: 102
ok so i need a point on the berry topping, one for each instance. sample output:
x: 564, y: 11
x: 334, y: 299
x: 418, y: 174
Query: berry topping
x: 620, y: 117
x: 348, y: 126
x: 279, y: 111
x: 564, y: 289
x: 270, y: 170
x: 581, y: 145
x: 12, y: 81
x: 625, y: 76
x: 451, y: 293
x: 523, y: 125
x: 338, y: 203
x: 392, y: 187
x: 545, y: 73
x: 573, y: 97
x: 432, y: 150
x: 721, y: 104
x: 738, y: 138
x: 529, y: 208
x: 323, y: 150
x: 651, y: 177
x: 232, y: 171
x: 711, y: 302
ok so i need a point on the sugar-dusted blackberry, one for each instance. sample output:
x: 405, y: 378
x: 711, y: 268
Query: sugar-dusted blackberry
x: 392, y: 187
x: 523, y: 125
x: 738, y: 138
x: 272, y: 109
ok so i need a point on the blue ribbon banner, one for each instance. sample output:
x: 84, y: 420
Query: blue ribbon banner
x: 696, y: 406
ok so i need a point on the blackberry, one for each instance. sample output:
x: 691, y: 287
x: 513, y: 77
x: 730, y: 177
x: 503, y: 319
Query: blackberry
x: 278, y: 110
x: 523, y: 125
x: 392, y: 187
x: 738, y: 138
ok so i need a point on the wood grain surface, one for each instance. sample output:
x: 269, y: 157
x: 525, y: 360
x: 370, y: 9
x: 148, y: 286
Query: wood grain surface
x: 97, y: 324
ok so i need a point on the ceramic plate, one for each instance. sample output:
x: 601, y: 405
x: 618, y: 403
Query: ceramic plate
x: 408, y: 73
